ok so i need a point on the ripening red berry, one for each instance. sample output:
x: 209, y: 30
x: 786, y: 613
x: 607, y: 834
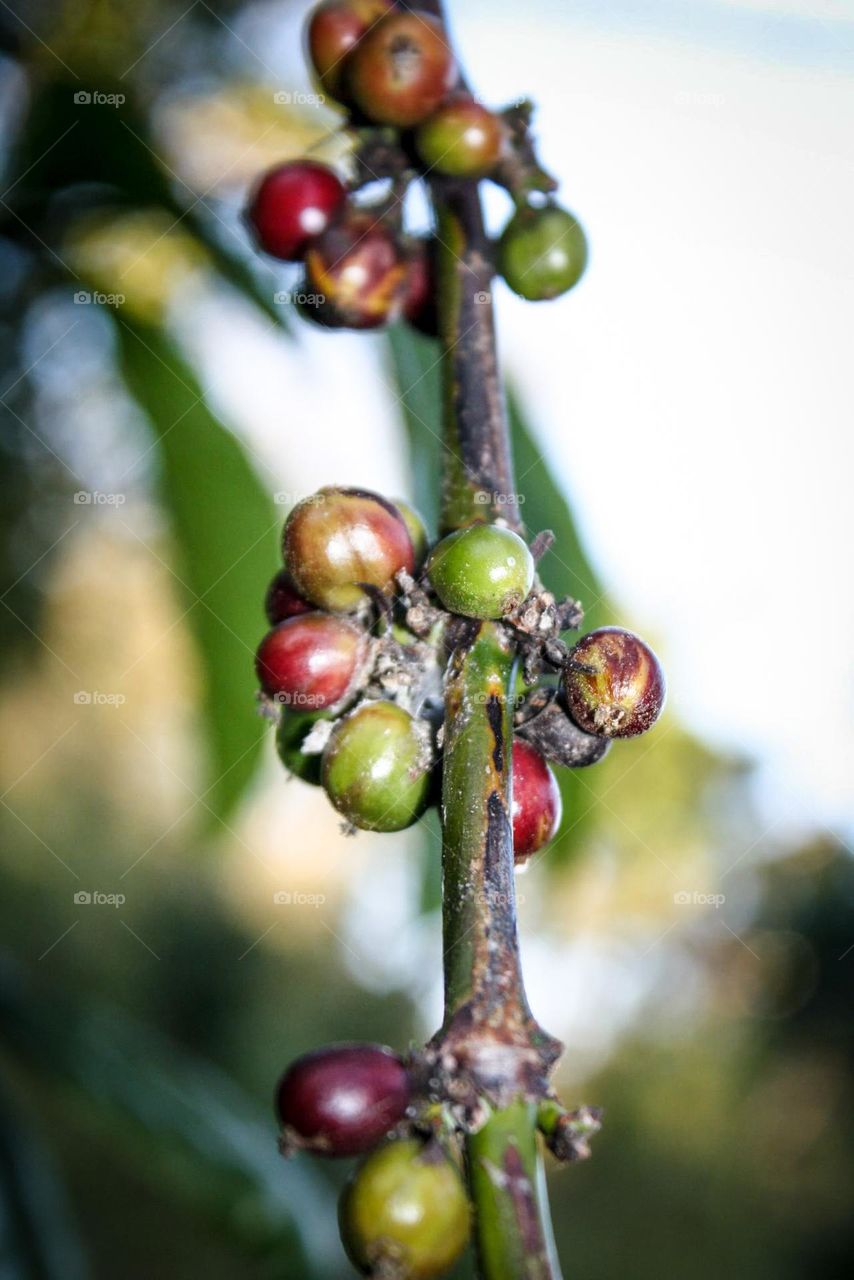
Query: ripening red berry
x: 401, y: 70
x: 614, y: 684
x: 283, y: 600
x: 341, y: 1100
x: 462, y: 139
x: 537, y: 804
x: 311, y: 662
x: 355, y: 273
x: 419, y: 303
x: 293, y: 203
x: 334, y: 28
x: 338, y: 538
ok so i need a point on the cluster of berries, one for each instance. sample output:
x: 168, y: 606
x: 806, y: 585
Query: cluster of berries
x: 394, y: 73
x: 352, y: 669
x: 405, y: 1210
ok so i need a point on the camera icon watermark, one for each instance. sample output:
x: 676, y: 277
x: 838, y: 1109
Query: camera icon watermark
x: 298, y: 98
x: 95, y: 498
x: 285, y: 898
x: 484, y: 498
x: 96, y: 898
x: 95, y: 98
x: 482, y: 297
x: 305, y: 701
x: 696, y: 899
x: 285, y: 498
x: 95, y: 297
x: 296, y: 298
x: 94, y: 698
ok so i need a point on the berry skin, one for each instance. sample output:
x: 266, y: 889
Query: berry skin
x: 537, y: 804
x: 341, y: 1100
x: 405, y: 1213
x: 483, y: 571
x: 416, y: 530
x: 334, y: 28
x: 419, y: 303
x: 283, y: 600
x: 293, y: 203
x: 401, y: 70
x: 338, y: 538
x: 311, y: 662
x: 292, y: 730
x: 614, y: 684
x: 462, y: 139
x: 358, y: 272
x: 542, y: 252
x: 374, y: 768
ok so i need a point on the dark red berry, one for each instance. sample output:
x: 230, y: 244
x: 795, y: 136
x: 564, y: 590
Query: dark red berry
x: 311, y: 662
x: 341, y: 1100
x: 536, y: 801
x: 401, y: 70
x: 283, y: 600
x: 293, y: 203
x: 339, y: 538
x: 334, y: 29
x: 614, y: 684
x: 419, y: 303
x: 462, y: 138
x: 355, y: 273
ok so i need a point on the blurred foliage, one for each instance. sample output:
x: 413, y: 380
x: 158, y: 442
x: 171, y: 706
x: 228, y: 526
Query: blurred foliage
x: 138, y: 1047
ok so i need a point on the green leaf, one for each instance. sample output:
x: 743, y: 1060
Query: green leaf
x: 224, y: 529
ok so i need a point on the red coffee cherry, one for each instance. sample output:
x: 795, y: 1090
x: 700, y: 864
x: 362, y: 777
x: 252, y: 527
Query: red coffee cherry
x: 311, y: 662
x: 401, y: 70
x: 419, y: 303
x: 355, y: 275
x: 341, y: 1100
x: 462, y: 139
x: 283, y: 600
x: 614, y: 684
x: 537, y: 805
x: 334, y: 28
x: 293, y: 203
x: 339, y: 538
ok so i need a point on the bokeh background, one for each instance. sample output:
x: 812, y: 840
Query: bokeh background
x: 178, y: 919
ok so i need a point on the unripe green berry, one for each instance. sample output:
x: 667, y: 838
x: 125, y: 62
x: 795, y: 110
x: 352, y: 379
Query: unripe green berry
x: 542, y: 252
x: 462, y: 138
x: 614, y: 684
x: 405, y: 1213
x: 483, y: 571
x: 292, y: 731
x: 339, y: 538
x: 416, y: 530
x: 376, y: 767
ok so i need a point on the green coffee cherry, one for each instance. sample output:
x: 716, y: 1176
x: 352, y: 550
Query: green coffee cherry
x: 481, y: 572
x: 405, y: 1213
x: 376, y: 767
x: 416, y: 529
x: 293, y: 729
x: 542, y: 252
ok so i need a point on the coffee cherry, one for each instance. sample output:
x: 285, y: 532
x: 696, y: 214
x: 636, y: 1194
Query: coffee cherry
x: 339, y: 538
x: 461, y: 138
x: 357, y: 274
x: 401, y: 70
x: 537, y: 804
x: 293, y: 203
x: 405, y: 1213
x: 419, y: 302
x: 292, y: 730
x: 311, y: 662
x: 483, y: 571
x: 376, y: 767
x: 283, y: 600
x: 334, y: 28
x: 542, y: 252
x: 416, y: 530
x: 614, y: 684
x: 341, y: 1100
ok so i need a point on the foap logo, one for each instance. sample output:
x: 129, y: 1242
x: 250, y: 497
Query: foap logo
x: 287, y: 499
x: 298, y: 98
x: 94, y: 698
x: 307, y: 701
x: 696, y: 899
x: 95, y: 297
x: 97, y: 898
x: 95, y: 98
x: 286, y: 898
x: 482, y: 297
x: 289, y: 297
x: 95, y: 498
x: 486, y: 499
